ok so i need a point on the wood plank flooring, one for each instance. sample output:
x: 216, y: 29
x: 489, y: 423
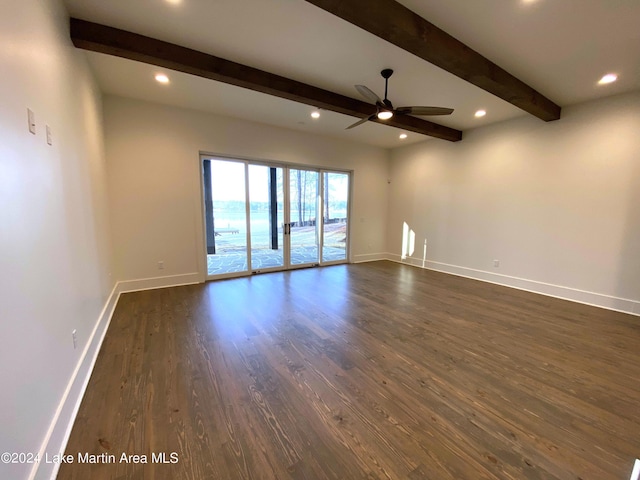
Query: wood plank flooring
x: 370, y: 371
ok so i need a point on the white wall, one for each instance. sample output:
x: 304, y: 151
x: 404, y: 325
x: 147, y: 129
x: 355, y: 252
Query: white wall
x: 54, y: 248
x: 154, y: 182
x: 557, y: 203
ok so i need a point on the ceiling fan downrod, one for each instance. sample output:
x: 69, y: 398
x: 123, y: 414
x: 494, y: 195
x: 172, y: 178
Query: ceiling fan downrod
x: 386, y: 73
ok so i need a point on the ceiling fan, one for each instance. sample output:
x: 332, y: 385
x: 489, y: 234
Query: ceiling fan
x: 385, y: 108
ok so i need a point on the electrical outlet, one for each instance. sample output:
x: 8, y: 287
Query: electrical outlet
x: 74, y: 336
x: 161, y: 265
x: 31, y: 117
x: 496, y: 263
x: 49, y: 136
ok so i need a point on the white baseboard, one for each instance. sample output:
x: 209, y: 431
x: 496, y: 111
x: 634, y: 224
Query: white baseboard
x: 60, y: 428
x: 369, y: 257
x: 558, y: 291
x: 160, y: 282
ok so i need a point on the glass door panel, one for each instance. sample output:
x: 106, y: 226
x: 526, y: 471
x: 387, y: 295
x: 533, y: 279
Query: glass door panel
x: 225, y: 216
x: 303, y: 216
x: 266, y: 214
x: 335, y: 201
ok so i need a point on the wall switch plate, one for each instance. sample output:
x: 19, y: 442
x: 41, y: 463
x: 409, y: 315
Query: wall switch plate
x: 32, y: 120
x: 49, y: 137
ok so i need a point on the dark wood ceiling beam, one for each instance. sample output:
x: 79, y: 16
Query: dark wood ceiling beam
x: 112, y: 41
x: 400, y: 26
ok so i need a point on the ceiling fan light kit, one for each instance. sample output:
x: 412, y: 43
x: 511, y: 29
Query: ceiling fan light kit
x: 384, y: 108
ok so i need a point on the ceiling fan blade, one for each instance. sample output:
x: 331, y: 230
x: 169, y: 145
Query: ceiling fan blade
x: 424, y: 111
x: 360, y: 122
x: 368, y: 94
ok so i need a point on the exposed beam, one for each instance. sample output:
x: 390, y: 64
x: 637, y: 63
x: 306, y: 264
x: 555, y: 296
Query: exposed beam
x: 112, y: 41
x: 400, y: 26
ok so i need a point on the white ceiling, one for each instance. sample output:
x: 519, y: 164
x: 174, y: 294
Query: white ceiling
x: 559, y: 47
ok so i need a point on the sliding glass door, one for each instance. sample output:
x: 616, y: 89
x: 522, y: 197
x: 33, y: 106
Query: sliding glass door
x: 304, y: 241
x: 265, y: 217
x: 335, y: 213
x: 225, y: 216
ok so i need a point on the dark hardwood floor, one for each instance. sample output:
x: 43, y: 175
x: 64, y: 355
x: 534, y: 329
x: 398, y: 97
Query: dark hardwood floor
x: 370, y: 371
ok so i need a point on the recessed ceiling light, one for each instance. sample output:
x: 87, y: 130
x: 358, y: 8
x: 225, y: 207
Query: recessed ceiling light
x: 403, y: 136
x: 608, y: 78
x: 315, y: 114
x: 174, y: 2
x: 385, y: 114
x: 480, y: 113
x: 162, y: 78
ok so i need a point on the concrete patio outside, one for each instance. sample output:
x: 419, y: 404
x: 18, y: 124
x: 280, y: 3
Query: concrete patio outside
x: 231, y: 254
